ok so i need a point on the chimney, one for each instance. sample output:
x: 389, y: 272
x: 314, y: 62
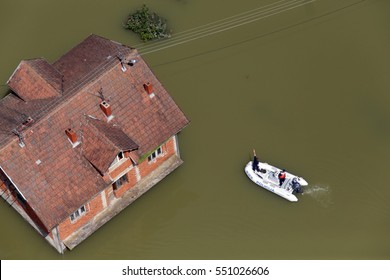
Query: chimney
x: 149, y: 89
x: 132, y: 62
x: 28, y: 121
x: 20, y: 136
x: 106, y: 108
x: 72, y: 136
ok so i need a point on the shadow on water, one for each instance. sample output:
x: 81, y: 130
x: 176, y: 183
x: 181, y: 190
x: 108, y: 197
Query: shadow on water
x: 321, y: 194
x: 4, y: 90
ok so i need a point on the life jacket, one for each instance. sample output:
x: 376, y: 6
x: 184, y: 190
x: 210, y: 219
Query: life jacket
x: 282, y: 175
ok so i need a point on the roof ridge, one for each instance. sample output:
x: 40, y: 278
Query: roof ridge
x: 63, y: 100
x: 110, y: 126
x: 90, y: 36
x: 98, y: 131
x: 59, y: 91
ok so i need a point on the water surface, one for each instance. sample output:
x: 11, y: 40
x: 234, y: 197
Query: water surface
x: 306, y: 85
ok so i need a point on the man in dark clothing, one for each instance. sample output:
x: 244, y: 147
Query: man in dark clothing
x: 296, y: 186
x: 282, y: 177
x: 255, y: 162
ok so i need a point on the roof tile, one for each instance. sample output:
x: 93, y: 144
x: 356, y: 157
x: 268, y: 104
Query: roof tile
x: 68, y: 177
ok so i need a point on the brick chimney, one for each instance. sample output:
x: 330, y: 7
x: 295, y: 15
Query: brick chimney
x: 72, y: 136
x: 28, y: 121
x: 106, y: 108
x: 149, y: 89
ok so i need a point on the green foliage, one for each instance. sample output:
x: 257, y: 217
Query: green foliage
x: 147, y: 24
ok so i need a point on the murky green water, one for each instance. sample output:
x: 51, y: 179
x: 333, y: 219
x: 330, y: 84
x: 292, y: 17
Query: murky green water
x: 306, y: 85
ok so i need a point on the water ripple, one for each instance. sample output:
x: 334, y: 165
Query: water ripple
x: 321, y: 194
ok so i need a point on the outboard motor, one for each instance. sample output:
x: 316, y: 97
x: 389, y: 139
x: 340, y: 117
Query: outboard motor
x: 296, y: 186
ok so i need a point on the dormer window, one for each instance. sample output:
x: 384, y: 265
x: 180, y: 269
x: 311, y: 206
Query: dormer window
x: 118, y: 160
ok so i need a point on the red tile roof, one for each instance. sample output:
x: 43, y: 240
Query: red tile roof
x: 55, y: 177
x: 114, y: 135
x: 35, y: 79
x: 103, y: 142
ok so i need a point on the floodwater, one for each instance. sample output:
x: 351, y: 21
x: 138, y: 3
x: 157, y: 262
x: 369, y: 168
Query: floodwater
x: 305, y: 83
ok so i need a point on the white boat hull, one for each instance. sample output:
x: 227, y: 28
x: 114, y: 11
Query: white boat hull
x: 268, y: 179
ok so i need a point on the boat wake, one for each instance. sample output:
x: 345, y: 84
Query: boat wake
x: 321, y: 194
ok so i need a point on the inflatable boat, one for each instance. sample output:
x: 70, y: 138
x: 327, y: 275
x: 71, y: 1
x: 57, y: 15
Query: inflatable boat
x: 267, y: 176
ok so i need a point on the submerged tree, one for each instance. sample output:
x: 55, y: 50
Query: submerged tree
x: 147, y: 24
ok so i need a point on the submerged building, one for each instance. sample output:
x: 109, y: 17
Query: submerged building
x: 84, y: 137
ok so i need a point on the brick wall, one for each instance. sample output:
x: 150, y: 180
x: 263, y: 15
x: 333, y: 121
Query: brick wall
x: 93, y: 207
x: 144, y: 168
x: 96, y: 205
x: 168, y: 148
x: 3, y: 187
x: 126, y: 164
x: 131, y: 182
x: 3, y: 179
x: 12, y: 199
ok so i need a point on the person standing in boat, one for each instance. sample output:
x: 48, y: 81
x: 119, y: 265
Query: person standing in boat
x: 255, y: 162
x: 282, y: 177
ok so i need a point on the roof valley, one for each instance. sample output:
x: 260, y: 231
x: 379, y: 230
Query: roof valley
x: 68, y: 95
x: 56, y: 180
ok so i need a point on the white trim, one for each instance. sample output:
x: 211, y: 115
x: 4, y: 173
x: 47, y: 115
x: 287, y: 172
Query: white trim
x: 116, y: 162
x: 127, y: 170
x: 115, y: 184
x: 57, y: 239
x: 137, y: 174
x: 75, y: 144
x: 104, y: 200
x: 176, y: 144
x: 80, y: 213
x: 109, y: 118
x: 153, y: 158
x: 9, y: 178
x: 17, y: 68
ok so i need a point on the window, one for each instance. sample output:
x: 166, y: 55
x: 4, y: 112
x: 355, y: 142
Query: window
x: 78, y: 213
x: 120, y: 182
x: 117, y: 160
x: 155, y: 154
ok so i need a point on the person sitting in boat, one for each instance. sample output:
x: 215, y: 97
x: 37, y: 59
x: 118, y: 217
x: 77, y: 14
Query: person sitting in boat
x: 296, y: 186
x: 255, y: 162
x: 282, y: 177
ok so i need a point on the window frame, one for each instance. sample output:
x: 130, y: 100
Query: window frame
x: 78, y: 213
x: 119, y: 159
x: 155, y: 154
x: 121, y: 181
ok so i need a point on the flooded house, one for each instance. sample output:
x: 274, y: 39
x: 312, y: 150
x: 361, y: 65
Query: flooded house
x: 84, y: 137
